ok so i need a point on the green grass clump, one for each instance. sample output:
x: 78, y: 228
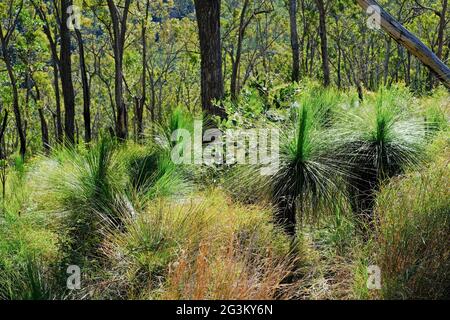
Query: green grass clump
x: 436, y: 112
x: 82, y: 188
x: 26, y: 281
x: 412, y: 240
x: 28, y: 242
x: 143, y: 254
x: 324, y: 102
x: 152, y: 174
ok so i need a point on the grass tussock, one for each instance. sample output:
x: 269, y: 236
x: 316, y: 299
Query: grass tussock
x: 413, y: 235
x: 167, y: 233
x: 227, y: 273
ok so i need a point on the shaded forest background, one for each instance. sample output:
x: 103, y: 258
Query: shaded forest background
x: 131, y: 62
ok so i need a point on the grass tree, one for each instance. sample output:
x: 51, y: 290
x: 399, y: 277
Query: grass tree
x: 378, y: 141
x: 308, y: 173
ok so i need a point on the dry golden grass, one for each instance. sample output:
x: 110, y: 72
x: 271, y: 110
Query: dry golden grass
x: 205, y: 246
x: 227, y: 274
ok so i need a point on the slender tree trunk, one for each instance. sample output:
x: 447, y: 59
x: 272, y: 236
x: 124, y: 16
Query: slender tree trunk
x: 237, y: 60
x: 66, y: 74
x: 140, y: 103
x: 86, y: 90
x: 2, y: 133
x: 386, y: 60
x: 410, y: 42
x: 16, y: 109
x: 59, y: 127
x: 44, y: 131
x: 294, y: 40
x: 3, y: 174
x: 441, y: 31
x: 56, y: 66
x: 440, y: 36
x: 119, y: 25
x: 339, y: 57
x: 323, y: 42
x: 208, y: 20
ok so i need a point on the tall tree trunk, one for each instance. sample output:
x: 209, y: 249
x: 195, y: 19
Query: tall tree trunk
x: 140, y: 103
x: 12, y: 78
x: 386, y: 61
x: 119, y: 25
x: 44, y: 131
x: 66, y: 74
x: 410, y: 42
x: 55, y: 65
x: 323, y: 42
x: 208, y: 20
x: 2, y: 133
x: 339, y: 57
x: 59, y: 127
x: 441, y: 32
x: 234, y: 90
x: 86, y: 90
x: 294, y: 40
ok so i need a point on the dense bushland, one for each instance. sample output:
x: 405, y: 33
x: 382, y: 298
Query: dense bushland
x: 359, y: 184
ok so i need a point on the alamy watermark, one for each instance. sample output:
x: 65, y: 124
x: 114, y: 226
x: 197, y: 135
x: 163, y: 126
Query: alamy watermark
x: 374, y: 20
x: 74, y: 19
x: 213, y: 146
x: 374, y: 277
x: 74, y: 278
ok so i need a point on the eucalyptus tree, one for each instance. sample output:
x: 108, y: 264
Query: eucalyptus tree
x: 47, y: 14
x: 212, y: 86
x: 293, y: 8
x: 10, y: 18
x: 119, y: 18
x: 66, y: 71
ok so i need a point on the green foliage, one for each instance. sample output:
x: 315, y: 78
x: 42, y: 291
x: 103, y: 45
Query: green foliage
x: 142, y: 226
x: 28, y: 245
x: 152, y: 174
x: 413, y: 234
x: 83, y: 188
x: 26, y: 281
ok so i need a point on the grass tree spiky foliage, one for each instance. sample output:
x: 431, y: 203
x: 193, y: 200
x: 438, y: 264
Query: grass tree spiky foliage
x: 308, y: 173
x: 177, y: 120
x: 379, y: 140
x: 152, y: 173
x: 324, y: 102
x: 82, y: 187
